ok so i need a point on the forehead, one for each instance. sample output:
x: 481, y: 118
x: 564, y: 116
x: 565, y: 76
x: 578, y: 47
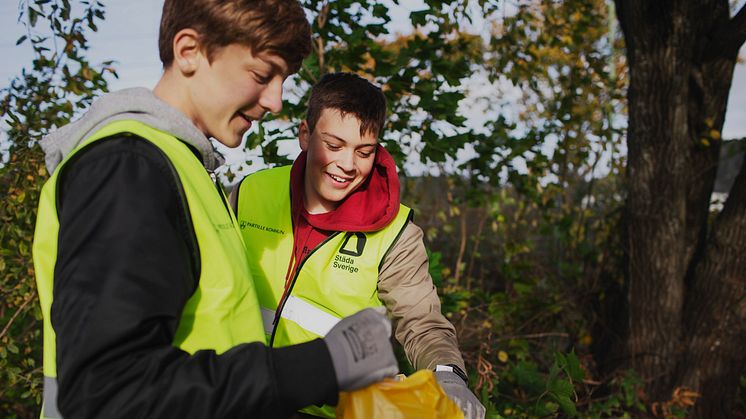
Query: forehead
x: 333, y: 123
x: 332, y: 117
x: 244, y: 55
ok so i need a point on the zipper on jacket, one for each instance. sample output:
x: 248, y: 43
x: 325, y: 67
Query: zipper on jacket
x: 281, y: 306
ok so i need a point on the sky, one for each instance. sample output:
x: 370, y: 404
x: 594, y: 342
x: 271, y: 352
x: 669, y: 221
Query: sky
x: 129, y: 36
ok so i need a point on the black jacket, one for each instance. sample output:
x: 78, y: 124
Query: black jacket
x: 127, y: 263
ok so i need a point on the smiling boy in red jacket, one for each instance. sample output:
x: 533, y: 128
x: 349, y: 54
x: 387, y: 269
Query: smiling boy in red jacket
x: 328, y: 236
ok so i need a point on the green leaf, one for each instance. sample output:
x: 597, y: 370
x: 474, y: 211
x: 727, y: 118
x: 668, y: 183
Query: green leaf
x: 573, y: 367
x: 561, y: 388
x: 254, y: 139
x: 33, y: 15
x: 567, y: 406
x: 23, y: 249
x: 419, y: 17
x: 21, y: 39
x: 561, y: 391
x: 528, y: 377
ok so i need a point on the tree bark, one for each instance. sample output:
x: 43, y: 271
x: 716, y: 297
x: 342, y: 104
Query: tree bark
x: 716, y: 311
x: 686, y: 282
x: 657, y: 51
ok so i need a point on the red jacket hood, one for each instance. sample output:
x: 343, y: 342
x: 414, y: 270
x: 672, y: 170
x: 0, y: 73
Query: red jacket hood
x: 369, y: 208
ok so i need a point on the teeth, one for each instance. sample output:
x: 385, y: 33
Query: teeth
x: 338, y: 179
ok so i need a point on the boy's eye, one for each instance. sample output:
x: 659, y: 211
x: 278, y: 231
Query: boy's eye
x: 333, y: 147
x: 364, y: 154
x: 262, y: 79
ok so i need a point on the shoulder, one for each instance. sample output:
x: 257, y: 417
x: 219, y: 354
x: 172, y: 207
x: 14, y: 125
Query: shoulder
x: 265, y: 182
x: 281, y: 173
x: 123, y: 161
x: 411, y: 235
x: 408, y: 251
x: 116, y: 147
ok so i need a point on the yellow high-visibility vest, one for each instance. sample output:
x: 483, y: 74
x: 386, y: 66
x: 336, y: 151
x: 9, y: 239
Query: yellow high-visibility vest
x: 223, y: 311
x: 336, y: 279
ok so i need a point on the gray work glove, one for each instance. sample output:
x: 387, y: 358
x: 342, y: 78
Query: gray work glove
x: 360, y: 350
x: 456, y: 389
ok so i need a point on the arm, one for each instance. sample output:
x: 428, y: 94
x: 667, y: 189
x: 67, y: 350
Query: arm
x: 428, y: 338
x: 123, y: 274
x: 407, y: 290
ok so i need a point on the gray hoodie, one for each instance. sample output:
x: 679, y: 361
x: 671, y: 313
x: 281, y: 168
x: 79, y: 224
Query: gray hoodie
x: 138, y: 104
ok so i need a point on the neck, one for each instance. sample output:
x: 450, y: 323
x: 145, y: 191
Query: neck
x: 173, y: 91
x: 313, y: 204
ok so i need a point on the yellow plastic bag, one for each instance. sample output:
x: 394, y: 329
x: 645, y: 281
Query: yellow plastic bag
x: 416, y: 396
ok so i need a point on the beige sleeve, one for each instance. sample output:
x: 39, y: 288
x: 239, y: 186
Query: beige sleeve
x: 407, y: 290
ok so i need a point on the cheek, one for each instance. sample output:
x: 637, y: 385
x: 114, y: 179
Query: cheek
x: 365, y: 166
x: 250, y: 91
x: 319, y: 156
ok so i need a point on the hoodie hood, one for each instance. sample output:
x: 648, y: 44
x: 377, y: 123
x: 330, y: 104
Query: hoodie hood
x: 139, y: 104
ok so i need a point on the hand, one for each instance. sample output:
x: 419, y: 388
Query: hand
x: 360, y: 350
x: 457, y: 391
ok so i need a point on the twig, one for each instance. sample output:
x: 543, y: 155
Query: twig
x: 534, y: 336
x: 13, y: 318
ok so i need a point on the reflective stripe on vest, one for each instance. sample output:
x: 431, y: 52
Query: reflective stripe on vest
x: 306, y: 315
x: 222, y: 312
x: 49, y: 405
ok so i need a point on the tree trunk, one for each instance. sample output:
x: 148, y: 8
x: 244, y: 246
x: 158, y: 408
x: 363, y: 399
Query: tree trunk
x: 716, y: 311
x: 686, y: 288
x: 656, y: 210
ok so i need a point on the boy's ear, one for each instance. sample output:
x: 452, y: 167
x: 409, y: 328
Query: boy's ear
x: 187, y: 51
x: 304, y: 135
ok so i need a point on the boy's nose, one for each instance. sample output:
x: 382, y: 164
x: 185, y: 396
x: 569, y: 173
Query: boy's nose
x: 271, y: 98
x: 346, y: 160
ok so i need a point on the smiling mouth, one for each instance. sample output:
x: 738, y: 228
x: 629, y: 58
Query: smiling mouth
x: 339, y: 179
x: 246, y: 118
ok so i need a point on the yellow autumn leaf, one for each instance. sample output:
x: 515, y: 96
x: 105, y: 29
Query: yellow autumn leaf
x: 502, y: 356
x: 715, y: 134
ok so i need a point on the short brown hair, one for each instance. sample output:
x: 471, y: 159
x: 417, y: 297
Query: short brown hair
x: 349, y: 94
x: 275, y: 26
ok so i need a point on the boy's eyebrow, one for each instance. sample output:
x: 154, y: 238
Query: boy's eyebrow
x: 276, y: 67
x: 267, y: 64
x: 329, y: 134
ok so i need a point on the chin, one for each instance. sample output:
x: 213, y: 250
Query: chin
x: 336, y: 199
x: 231, y: 143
